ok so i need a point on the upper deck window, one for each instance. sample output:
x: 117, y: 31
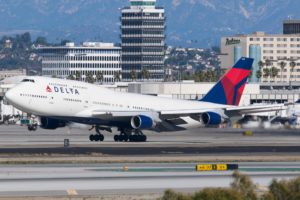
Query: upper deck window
x: 28, y: 80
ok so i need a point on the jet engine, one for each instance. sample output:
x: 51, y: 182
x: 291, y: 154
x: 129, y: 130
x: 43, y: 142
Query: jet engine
x: 212, y: 118
x: 51, y: 124
x: 142, y: 122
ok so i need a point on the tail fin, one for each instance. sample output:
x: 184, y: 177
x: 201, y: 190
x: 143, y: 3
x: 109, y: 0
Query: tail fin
x: 229, y: 89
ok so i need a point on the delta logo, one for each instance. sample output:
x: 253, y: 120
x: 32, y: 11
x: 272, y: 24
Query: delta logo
x: 48, y: 89
x: 62, y: 90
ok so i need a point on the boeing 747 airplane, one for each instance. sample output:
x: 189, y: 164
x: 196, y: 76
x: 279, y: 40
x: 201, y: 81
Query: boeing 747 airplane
x: 59, y: 102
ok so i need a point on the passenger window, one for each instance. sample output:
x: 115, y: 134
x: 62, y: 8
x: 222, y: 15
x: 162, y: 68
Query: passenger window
x: 27, y: 80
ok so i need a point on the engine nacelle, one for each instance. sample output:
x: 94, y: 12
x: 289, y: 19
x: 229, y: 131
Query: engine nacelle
x: 51, y: 124
x: 212, y: 118
x: 142, y: 122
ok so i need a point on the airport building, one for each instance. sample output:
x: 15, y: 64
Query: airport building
x: 280, y: 51
x: 254, y: 93
x: 11, y: 73
x: 143, y: 41
x: 90, y: 58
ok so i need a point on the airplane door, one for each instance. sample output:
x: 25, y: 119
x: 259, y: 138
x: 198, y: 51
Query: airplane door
x: 51, y: 99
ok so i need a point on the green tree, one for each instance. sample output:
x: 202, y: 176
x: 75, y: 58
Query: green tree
x: 71, y: 77
x: 89, y: 77
x: 266, y: 72
x: 282, y: 65
x: 292, y: 67
x: 258, y: 74
x: 146, y: 73
x: 172, y: 195
x: 274, y: 72
x: 268, y: 63
x: 133, y: 75
x: 244, y: 185
x: 41, y: 41
x: 78, y: 75
x: 99, y: 77
x: 117, y: 76
x: 218, y: 194
x: 261, y: 64
x: 26, y: 38
x: 283, y: 190
x: 64, y: 42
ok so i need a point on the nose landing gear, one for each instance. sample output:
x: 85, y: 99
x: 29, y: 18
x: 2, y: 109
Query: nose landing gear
x: 98, y: 136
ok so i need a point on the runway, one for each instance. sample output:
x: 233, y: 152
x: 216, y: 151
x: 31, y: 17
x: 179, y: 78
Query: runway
x: 81, y: 178
x: 202, y: 141
x: 108, y: 179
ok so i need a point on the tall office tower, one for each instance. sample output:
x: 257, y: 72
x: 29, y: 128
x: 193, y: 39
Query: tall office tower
x: 143, y: 41
x: 291, y: 27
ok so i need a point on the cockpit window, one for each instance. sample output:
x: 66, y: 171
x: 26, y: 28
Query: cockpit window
x: 27, y: 80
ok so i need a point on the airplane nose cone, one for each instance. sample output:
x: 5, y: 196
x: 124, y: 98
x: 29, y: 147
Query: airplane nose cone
x: 10, y: 96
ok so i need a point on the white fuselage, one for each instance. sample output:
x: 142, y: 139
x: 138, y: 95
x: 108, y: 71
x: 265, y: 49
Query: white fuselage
x: 56, y: 97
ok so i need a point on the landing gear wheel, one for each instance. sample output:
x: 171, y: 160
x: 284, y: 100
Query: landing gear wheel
x: 116, y: 138
x: 125, y: 138
x: 137, y: 138
x: 143, y: 138
x: 101, y: 137
x: 92, y: 138
x: 96, y: 138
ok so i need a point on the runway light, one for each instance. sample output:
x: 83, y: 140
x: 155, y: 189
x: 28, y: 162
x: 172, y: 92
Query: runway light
x: 216, y: 167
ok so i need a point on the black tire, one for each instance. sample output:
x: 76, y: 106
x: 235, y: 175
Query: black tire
x: 131, y: 137
x: 125, y: 138
x: 34, y: 128
x: 97, y: 138
x: 116, y: 138
x: 92, y: 138
x: 144, y: 138
x: 135, y: 138
x: 101, y: 137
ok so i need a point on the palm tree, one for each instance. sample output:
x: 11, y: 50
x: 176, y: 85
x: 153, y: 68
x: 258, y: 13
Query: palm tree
x: 274, y: 72
x: 99, y: 77
x: 146, y: 74
x: 133, y: 75
x: 258, y: 74
x: 282, y: 66
x: 117, y: 76
x: 261, y: 64
x: 268, y: 63
x: 89, y: 77
x: 266, y: 72
x: 77, y: 75
x: 71, y: 77
x: 292, y: 67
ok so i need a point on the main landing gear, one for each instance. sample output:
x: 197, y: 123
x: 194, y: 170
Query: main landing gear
x: 130, y: 135
x: 97, y: 137
x: 126, y: 135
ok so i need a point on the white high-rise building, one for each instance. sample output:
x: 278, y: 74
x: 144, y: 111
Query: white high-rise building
x: 143, y: 41
x: 275, y: 49
x: 89, y: 58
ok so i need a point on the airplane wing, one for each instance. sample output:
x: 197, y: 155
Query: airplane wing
x: 230, y: 111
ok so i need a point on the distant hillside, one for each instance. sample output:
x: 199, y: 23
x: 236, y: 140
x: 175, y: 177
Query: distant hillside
x: 189, y: 22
